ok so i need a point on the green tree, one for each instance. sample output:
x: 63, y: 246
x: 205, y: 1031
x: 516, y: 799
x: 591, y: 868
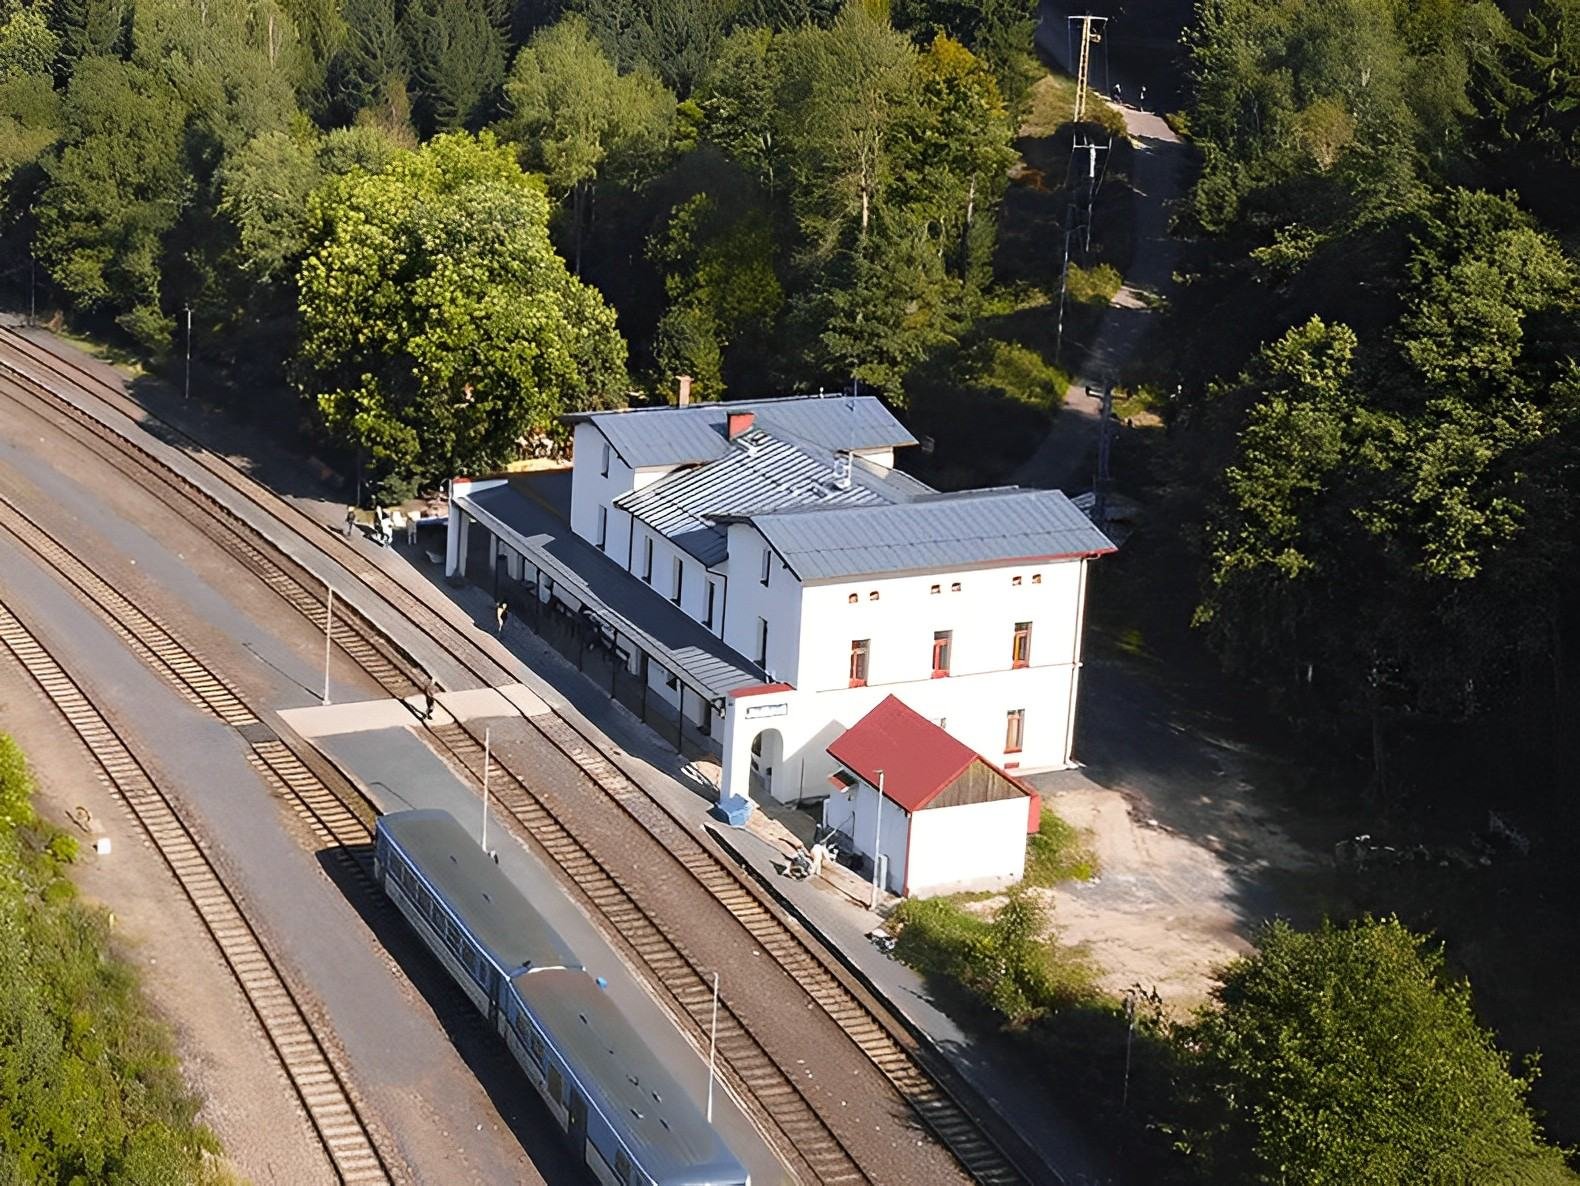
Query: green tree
x: 1348, y: 1055
x: 28, y: 46
x: 738, y: 95
x: 88, y: 28
x: 114, y: 189
x: 578, y: 120
x: 438, y: 327
x: 457, y: 62
x: 372, y: 58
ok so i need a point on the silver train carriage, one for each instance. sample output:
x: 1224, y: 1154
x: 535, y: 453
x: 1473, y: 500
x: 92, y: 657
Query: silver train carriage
x: 624, y: 1112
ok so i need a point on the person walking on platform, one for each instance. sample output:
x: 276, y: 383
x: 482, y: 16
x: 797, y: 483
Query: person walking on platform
x: 351, y: 521
x: 501, y: 612
x: 428, y: 695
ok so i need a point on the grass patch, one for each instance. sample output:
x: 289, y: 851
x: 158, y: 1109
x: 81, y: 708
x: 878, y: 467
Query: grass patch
x: 93, y: 1090
x: 1050, y: 105
x: 1058, y: 851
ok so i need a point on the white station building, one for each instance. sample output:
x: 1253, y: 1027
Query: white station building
x: 767, y: 567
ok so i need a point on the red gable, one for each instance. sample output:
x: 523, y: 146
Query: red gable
x: 918, y: 759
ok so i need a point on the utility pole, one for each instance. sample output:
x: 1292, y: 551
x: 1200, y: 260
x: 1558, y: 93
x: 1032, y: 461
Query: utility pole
x: 1078, y: 212
x: 1104, y: 442
x: 187, y: 391
x: 1083, y: 58
x: 877, y: 848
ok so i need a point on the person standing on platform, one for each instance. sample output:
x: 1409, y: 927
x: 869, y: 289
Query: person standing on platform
x: 351, y: 521
x: 428, y: 695
x: 501, y: 612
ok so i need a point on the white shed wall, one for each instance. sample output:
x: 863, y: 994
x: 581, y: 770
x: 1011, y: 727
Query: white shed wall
x: 973, y: 846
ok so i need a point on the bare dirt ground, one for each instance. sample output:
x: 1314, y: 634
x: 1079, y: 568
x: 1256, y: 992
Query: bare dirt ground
x: 246, y: 1099
x: 1193, y: 847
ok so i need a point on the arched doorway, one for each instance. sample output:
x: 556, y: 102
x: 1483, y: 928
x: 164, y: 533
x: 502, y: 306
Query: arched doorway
x: 768, y: 749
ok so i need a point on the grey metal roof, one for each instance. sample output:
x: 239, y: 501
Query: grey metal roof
x: 627, y: 1082
x: 696, y: 432
x: 759, y: 472
x: 677, y: 639
x: 498, y: 914
x: 934, y: 531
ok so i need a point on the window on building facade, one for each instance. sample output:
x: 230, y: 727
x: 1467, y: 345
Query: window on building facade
x: 1036, y: 578
x: 603, y: 526
x: 603, y: 469
x: 679, y: 580
x: 713, y: 591
x: 647, y: 559
x: 860, y: 648
x: 936, y: 589
x: 1015, y: 580
x: 941, y: 646
x: 762, y: 642
x: 873, y: 596
x: 767, y: 560
x: 853, y: 598
x: 955, y: 587
x: 1014, y: 730
x: 1020, y: 648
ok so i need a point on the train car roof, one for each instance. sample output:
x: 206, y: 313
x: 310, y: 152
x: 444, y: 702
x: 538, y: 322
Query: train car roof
x: 499, y: 916
x: 636, y: 1092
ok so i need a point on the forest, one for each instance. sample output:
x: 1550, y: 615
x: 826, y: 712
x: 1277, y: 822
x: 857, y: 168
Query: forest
x: 436, y: 225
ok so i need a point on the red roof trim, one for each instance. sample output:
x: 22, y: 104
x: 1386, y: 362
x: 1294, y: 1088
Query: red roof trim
x: 760, y: 690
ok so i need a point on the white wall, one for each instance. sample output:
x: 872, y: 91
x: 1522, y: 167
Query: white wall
x: 590, y: 490
x: 779, y: 604
x: 853, y: 813
x: 973, y: 846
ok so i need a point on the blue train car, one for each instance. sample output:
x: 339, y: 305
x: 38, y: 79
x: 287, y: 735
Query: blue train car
x: 623, y: 1111
x: 616, y: 1099
x: 470, y: 915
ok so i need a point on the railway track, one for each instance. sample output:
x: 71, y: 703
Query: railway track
x: 303, y: 1053
x: 806, y: 1142
x: 915, y: 1074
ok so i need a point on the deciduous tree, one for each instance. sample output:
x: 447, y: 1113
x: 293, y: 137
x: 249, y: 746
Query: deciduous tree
x: 438, y: 326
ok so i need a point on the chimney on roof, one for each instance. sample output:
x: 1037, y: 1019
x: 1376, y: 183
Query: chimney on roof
x: 739, y: 422
x: 683, y: 395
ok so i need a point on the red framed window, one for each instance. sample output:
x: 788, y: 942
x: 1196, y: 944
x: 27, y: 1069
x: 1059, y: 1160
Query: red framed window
x: 942, y: 640
x: 1014, y: 730
x: 860, y: 650
x: 1020, y: 647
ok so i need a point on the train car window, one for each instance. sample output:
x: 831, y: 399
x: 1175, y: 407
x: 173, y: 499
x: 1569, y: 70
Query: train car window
x: 523, y: 1030
x: 622, y: 1167
x: 452, y: 936
x: 556, y: 1084
x: 535, y: 1048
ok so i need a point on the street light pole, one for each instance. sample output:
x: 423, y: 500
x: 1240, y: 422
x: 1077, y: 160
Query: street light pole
x: 877, y: 848
x: 187, y: 391
x: 713, y: 1044
x: 329, y: 624
x: 488, y: 758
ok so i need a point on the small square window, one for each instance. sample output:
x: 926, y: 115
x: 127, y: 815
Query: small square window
x: 1015, y: 580
x: 936, y: 589
x: 1036, y: 578
x: 873, y: 596
x: 955, y: 587
x: 854, y: 598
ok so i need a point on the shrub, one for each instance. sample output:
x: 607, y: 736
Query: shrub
x: 1057, y: 852
x: 1095, y: 285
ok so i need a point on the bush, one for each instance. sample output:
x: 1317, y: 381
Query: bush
x: 90, y: 1089
x: 1093, y: 286
x: 16, y: 785
x: 1057, y: 852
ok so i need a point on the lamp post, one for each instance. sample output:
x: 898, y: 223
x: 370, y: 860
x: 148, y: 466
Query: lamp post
x: 877, y: 848
x: 488, y: 754
x: 713, y: 1044
x: 329, y: 625
x: 187, y: 388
